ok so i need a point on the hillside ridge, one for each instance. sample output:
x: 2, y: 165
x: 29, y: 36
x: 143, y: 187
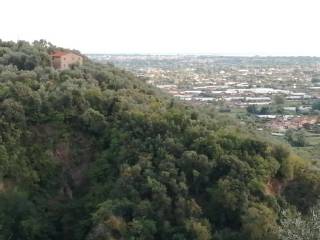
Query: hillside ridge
x: 93, y: 152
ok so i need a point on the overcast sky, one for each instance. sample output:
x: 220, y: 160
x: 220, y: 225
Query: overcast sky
x: 238, y: 27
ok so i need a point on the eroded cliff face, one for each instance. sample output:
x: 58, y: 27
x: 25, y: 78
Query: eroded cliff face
x: 70, y: 149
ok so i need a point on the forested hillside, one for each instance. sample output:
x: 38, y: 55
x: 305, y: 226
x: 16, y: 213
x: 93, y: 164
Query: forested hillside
x: 94, y: 153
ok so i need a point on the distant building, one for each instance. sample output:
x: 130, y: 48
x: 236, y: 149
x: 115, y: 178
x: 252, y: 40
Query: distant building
x: 62, y: 60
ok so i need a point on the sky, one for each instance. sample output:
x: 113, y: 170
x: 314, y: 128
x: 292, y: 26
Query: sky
x: 221, y: 27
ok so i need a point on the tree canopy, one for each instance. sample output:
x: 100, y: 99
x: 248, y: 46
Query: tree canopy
x: 93, y: 152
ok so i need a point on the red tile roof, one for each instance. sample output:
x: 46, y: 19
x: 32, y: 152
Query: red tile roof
x: 58, y: 54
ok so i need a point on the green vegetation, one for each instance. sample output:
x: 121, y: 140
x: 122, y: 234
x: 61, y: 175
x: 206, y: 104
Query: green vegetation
x: 316, y: 105
x: 297, y: 138
x: 265, y: 110
x: 315, y: 79
x: 95, y: 153
x: 279, y: 100
x: 298, y: 227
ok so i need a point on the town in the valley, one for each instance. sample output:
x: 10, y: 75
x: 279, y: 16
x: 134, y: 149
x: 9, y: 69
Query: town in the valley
x: 281, y: 95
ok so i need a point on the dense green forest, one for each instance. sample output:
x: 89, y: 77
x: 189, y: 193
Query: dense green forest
x: 95, y: 153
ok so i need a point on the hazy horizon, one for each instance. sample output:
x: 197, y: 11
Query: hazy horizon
x: 228, y: 27
x: 195, y: 54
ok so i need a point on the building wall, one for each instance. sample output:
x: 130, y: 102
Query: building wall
x: 66, y: 60
x: 56, y: 62
x: 69, y: 59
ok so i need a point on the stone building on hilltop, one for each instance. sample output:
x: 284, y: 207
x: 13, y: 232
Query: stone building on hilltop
x: 62, y: 60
